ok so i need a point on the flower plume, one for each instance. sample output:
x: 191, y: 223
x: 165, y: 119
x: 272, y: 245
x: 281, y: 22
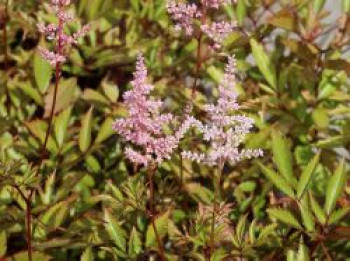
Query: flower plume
x: 144, y: 126
x: 225, y: 131
x: 185, y: 15
x: 56, y: 33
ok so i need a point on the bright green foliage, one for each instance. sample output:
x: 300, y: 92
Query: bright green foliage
x: 90, y: 203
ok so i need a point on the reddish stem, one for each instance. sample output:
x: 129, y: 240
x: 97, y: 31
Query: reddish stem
x: 151, y: 212
x: 199, y: 54
x: 59, y: 49
x: 217, y: 181
x: 8, y: 103
x: 29, y: 229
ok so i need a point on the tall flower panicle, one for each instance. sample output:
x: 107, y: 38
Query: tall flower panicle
x: 185, y: 15
x: 144, y: 126
x: 224, y: 130
x: 56, y: 33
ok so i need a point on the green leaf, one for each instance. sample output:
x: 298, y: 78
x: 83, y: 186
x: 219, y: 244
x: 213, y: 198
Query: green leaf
x: 334, y: 141
x: 3, y: 243
x: 306, y: 215
x: 318, y: 211
x: 291, y: 255
x: 33, y: 93
x: 87, y: 255
x: 335, y: 187
x: 162, y: 228
x: 55, y: 215
x: 105, y: 131
x: 214, y: 73
x: 61, y: 124
x: 277, y: 180
x: 93, y: 164
x: 67, y: 94
x: 267, y: 231
x: 282, y: 156
x: 85, y: 131
x: 285, y: 216
x: 241, y: 11
x: 38, y: 129
x: 135, y: 244
x: 264, y: 63
x: 338, y: 215
x: 318, y: 5
x: 115, y: 232
x: 252, y: 229
x: 320, y: 118
x: 241, y: 228
x: 284, y: 18
x: 42, y: 73
x: 306, y: 175
x: 95, y: 97
x: 303, y: 252
x: 23, y: 256
x: 110, y: 90
x: 346, y: 6
x: 247, y: 186
x: 218, y: 255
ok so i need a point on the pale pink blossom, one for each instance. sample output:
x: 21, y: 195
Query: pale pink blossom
x: 144, y: 126
x: 218, y: 31
x: 215, y: 3
x: 56, y: 33
x: 183, y: 15
x: 52, y: 57
x: 186, y: 17
x: 224, y: 130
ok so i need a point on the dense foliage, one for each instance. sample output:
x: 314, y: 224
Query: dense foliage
x: 74, y: 194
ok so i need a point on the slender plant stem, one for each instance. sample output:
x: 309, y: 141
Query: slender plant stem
x: 29, y: 229
x: 217, y: 181
x: 181, y: 171
x: 199, y: 55
x: 151, y: 212
x: 6, y: 59
x: 326, y: 253
x: 59, y: 49
x: 198, y: 66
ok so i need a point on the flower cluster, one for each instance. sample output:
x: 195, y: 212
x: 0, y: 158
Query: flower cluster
x: 144, y: 127
x: 224, y: 130
x: 218, y: 31
x: 184, y: 16
x: 215, y: 3
x: 55, y: 32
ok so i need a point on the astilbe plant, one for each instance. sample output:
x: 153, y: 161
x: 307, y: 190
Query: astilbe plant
x: 225, y: 133
x: 144, y: 127
x: 62, y: 42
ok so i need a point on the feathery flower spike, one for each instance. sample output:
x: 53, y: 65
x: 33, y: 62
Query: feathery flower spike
x: 55, y: 32
x: 223, y: 130
x: 144, y: 126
